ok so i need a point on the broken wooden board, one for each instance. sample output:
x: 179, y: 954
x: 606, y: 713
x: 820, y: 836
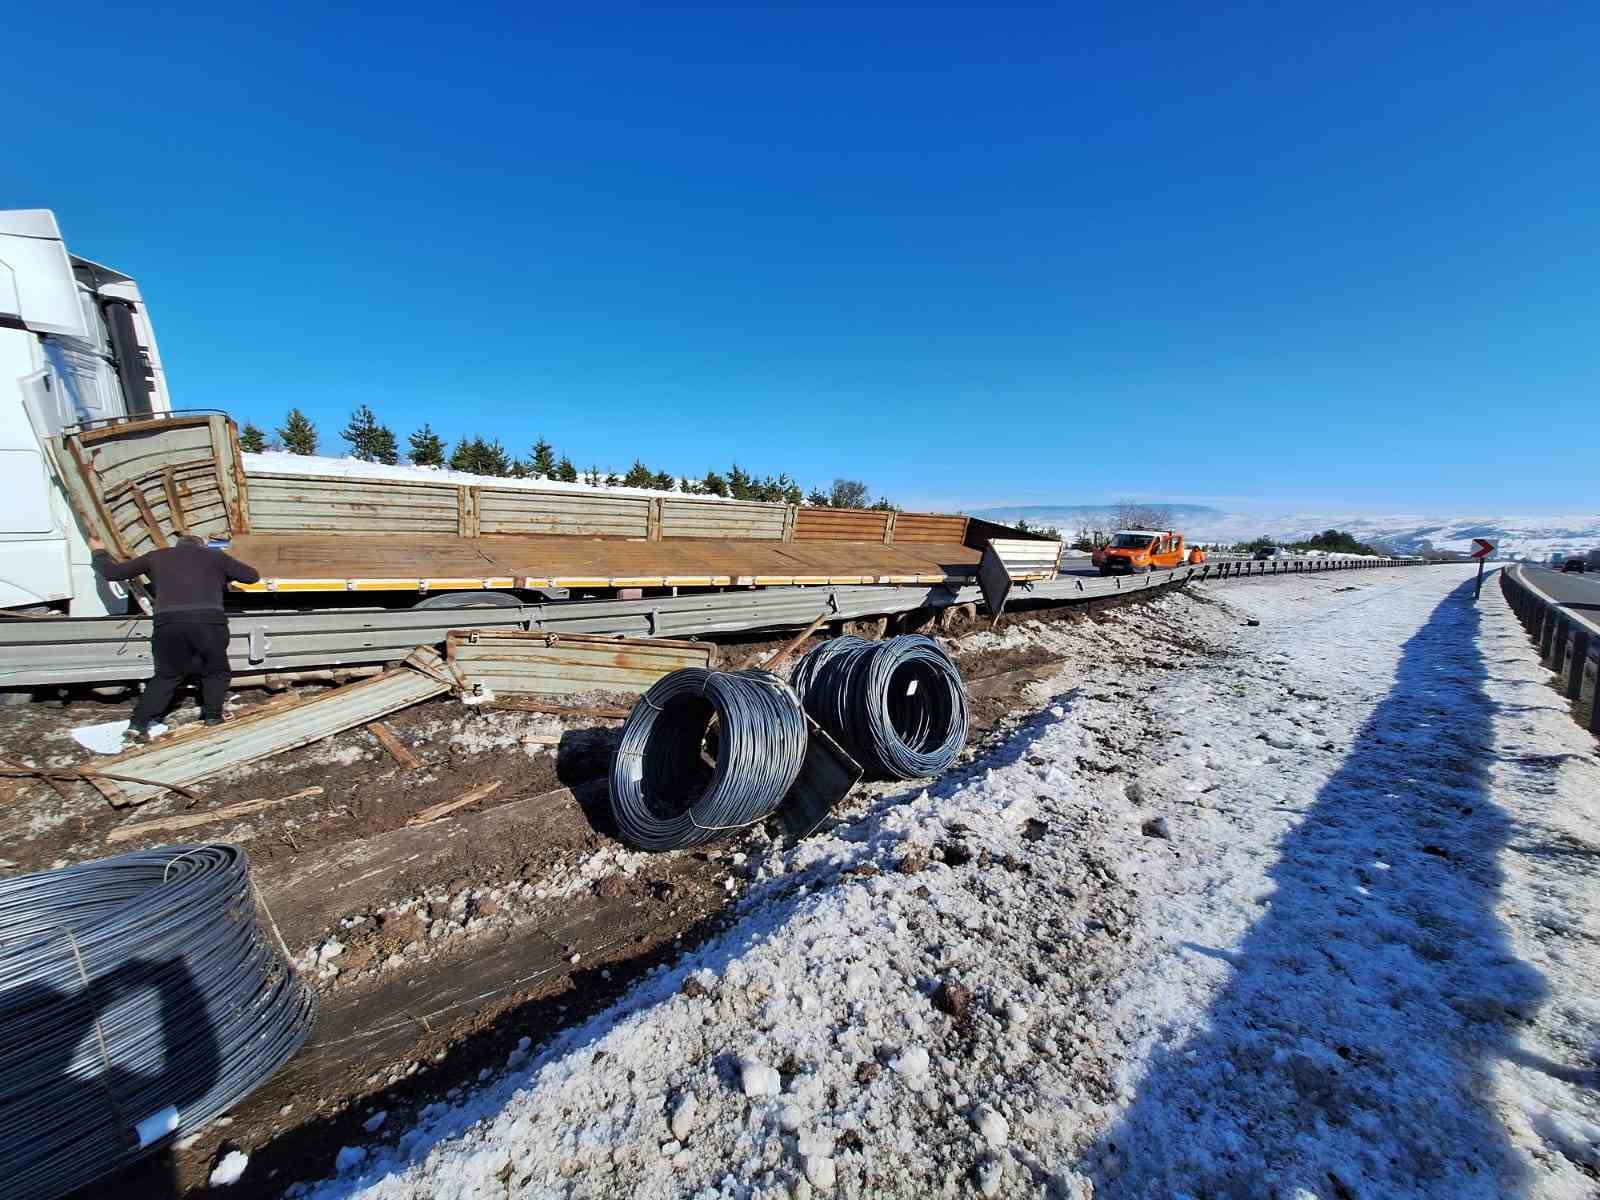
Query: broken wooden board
x: 202, y: 751
x: 229, y: 812
x: 512, y: 662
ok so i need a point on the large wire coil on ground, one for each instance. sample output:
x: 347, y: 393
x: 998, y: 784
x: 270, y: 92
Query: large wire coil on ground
x: 704, y: 752
x: 897, y: 706
x: 139, y: 998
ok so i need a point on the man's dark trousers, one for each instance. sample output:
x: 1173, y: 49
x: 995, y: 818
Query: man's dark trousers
x: 186, y: 644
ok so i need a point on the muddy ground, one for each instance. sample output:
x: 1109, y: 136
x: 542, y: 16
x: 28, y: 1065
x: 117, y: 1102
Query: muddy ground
x: 440, y: 950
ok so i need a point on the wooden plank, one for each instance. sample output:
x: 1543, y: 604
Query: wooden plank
x: 157, y: 534
x: 124, y: 428
x: 224, y: 443
x: 241, y: 482
x: 228, y: 812
x: 796, y: 642
x: 397, y: 749
x: 360, y: 555
x: 434, y: 812
x: 524, y: 704
x: 91, y: 484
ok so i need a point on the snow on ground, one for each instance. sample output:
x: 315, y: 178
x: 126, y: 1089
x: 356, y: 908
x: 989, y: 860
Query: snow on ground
x: 283, y: 463
x: 1305, y: 910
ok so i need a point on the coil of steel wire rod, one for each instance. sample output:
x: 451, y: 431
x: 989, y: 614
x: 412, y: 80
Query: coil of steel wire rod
x: 139, y: 998
x: 897, y: 706
x: 704, y: 752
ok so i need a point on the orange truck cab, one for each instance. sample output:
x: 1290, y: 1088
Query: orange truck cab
x: 1139, y: 551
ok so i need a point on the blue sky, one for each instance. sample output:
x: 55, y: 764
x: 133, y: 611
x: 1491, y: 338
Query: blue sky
x: 1337, y: 256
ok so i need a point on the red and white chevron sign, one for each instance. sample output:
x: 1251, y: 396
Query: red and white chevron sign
x: 1481, y: 548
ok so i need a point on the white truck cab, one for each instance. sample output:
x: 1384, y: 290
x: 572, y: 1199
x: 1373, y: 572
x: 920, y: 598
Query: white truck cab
x: 76, y: 348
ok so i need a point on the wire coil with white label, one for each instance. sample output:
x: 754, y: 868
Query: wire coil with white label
x: 139, y: 998
x: 897, y: 706
x: 705, y: 752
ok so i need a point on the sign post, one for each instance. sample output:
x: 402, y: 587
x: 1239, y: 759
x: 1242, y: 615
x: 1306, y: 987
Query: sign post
x: 1481, y: 550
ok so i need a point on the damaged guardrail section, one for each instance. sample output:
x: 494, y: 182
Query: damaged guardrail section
x: 45, y: 652
x: 1568, y: 642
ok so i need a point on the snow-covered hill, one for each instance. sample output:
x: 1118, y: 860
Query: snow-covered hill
x: 1409, y: 533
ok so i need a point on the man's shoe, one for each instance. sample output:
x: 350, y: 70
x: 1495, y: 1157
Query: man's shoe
x: 212, y: 720
x: 138, y: 732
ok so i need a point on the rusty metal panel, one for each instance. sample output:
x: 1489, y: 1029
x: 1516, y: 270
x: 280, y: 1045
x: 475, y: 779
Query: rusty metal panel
x: 202, y: 751
x: 588, y: 514
x: 299, y: 503
x: 510, y: 662
x: 913, y: 528
x: 722, y: 519
x: 840, y: 525
x: 121, y: 477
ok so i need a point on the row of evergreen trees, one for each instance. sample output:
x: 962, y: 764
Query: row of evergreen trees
x: 371, y: 441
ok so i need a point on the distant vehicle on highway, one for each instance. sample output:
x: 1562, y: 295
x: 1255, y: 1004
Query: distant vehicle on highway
x: 1269, y: 552
x: 1140, y: 551
x: 1572, y: 566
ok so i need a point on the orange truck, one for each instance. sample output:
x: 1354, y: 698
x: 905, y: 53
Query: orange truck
x: 1139, y: 551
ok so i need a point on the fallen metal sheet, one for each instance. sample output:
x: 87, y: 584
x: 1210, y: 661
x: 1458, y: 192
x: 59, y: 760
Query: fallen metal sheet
x: 202, y: 751
x: 994, y: 580
x: 827, y: 773
x: 1027, y: 559
x: 510, y: 662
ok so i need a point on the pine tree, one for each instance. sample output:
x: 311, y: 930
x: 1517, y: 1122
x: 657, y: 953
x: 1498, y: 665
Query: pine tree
x: 639, y: 476
x: 427, y: 449
x: 252, y: 439
x: 714, y: 484
x: 565, y: 471
x: 788, y: 489
x: 465, y: 456
x: 593, y: 477
x: 739, y: 484
x: 298, y: 435
x: 884, y: 504
x: 613, y: 479
x: 495, y: 459
x: 818, y: 498
x: 544, y: 459
x: 478, y: 456
x: 384, y: 449
x: 664, y: 481
x: 364, y: 435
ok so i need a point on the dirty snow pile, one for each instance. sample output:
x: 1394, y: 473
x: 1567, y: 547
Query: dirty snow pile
x: 1299, y: 909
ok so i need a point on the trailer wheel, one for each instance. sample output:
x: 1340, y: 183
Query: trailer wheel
x: 469, y: 600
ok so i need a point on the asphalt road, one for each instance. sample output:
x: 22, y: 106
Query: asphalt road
x: 1581, y: 592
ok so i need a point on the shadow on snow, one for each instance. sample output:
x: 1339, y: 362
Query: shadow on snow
x: 1348, y: 1054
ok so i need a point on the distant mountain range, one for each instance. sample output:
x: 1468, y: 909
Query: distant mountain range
x: 1514, y: 537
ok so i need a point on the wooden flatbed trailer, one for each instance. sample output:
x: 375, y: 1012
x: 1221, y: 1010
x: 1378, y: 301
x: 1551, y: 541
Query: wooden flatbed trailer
x: 135, y: 483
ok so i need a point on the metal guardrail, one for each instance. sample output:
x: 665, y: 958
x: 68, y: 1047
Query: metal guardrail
x: 1567, y: 637
x: 39, y: 653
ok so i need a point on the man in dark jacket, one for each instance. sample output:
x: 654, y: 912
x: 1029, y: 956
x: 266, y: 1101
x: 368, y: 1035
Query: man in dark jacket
x: 191, y: 631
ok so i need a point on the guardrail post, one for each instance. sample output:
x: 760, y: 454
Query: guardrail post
x: 1547, y: 633
x: 1558, y: 642
x: 1577, y: 661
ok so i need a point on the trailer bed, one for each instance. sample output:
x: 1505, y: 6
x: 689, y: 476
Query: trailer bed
x: 314, y: 562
